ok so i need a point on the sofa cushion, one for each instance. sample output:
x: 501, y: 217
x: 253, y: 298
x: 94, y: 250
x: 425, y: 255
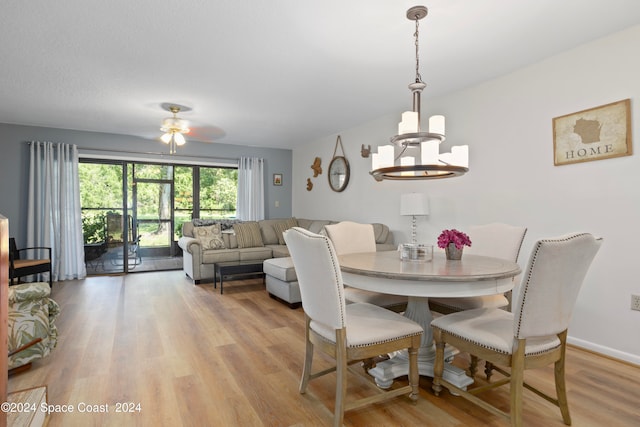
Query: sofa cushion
x: 213, y: 256
x: 279, y: 251
x: 280, y: 268
x: 248, y: 234
x: 282, y: 226
x: 314, y: 225
x: 381, y: 232
x: 210, y: 236
x: 255, y: 254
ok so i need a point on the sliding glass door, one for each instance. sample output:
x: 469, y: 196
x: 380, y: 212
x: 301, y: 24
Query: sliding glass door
x: 132, y: 212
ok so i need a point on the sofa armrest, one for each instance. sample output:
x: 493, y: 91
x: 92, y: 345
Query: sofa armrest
x: 28, y: 292
x: 189, y: 244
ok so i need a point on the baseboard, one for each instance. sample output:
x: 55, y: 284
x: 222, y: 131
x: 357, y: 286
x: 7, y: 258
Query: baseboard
x: 605, y: 351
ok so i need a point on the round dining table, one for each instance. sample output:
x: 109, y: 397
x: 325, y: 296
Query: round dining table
x: 385, y: 272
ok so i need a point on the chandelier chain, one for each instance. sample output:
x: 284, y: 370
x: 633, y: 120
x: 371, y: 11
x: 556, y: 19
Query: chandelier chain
x: 417, y: 43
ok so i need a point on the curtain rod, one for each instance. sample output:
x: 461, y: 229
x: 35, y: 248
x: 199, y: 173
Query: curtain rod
x: 162, y: 155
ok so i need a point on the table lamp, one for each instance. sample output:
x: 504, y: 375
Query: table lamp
x: 414, y: 204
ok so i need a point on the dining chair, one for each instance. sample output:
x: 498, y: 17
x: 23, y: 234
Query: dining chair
x: 347, y: 332
x: 495, y: 240
x: 533, y: 335
x: 351, y: 237
x: 28, y: 261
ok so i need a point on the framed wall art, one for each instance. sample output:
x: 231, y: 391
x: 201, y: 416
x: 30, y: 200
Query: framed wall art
x: 277, y: 179
x: 598, y: 133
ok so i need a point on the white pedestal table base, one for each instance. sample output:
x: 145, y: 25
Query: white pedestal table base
x: 398, y: 365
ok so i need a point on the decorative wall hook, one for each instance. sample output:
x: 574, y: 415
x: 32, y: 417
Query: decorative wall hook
x: 365, y: 151
x: 317, y: 169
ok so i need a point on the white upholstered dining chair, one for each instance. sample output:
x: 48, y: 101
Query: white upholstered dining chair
x: 351, y: 237
x: 533, y: 335
x: 346, y: 332
x: 495, y: 240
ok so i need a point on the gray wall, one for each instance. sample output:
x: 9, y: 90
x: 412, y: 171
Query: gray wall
x: 14, y: 164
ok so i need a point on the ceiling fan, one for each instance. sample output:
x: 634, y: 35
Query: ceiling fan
x: 177, y: 131
x: 174, y: 127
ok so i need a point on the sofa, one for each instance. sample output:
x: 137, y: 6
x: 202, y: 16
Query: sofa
x: 31, y: 316
x: 207, y: 242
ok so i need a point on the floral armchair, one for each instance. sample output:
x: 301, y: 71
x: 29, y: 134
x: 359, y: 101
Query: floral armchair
x: 31, y: 316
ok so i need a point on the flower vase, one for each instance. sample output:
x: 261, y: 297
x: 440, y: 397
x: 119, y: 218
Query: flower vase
x: 452, y: 252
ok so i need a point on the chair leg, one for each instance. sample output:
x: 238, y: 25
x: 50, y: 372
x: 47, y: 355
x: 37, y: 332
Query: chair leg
x: 438, y: 365
x: 473, y: 366
x: 517, y: 381
x: 488, y: 370
x: 308, y: 358
x: 414, y: 375
x: 341, y: 374
x: 561, y: 388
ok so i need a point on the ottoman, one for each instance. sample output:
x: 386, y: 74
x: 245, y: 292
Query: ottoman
x: 281, y: 281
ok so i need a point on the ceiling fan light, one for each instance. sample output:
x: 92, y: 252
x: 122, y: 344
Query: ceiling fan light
x: 179, y: 138
x: 166, y: 138
x: 174, y: 127
x: 175, y: 124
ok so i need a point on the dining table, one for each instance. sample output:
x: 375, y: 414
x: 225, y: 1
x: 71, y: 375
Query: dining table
x: 385, y: 272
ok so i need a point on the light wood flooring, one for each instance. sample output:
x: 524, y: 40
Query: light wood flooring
x: 192, y: 357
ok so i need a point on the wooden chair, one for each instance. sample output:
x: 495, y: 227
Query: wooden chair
x: 350, y: 237
x: 21, y: 265
x: 346, y: 332
x: 533, y: 335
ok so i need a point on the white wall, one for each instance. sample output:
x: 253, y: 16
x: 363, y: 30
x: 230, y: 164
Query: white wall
x: 507, y: 123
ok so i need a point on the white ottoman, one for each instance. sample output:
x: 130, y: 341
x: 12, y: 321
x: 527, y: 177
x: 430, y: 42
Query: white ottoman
x: 281, y: 280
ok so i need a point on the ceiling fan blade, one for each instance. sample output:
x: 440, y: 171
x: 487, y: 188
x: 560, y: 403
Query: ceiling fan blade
x: 205, y: 133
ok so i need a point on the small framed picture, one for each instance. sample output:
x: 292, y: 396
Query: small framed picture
x: 277, y: 179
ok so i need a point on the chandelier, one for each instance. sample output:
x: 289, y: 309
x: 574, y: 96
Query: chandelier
x: 419, y: 152
x: 174, y: 128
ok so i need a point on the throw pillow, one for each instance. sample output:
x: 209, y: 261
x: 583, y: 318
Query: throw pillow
x: 225, y: 224
x: 197, y: 222
x: 248, y: 234
x: 281, y: 227
x: 210, y: 236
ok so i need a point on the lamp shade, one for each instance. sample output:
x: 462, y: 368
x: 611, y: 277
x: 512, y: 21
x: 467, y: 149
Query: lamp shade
x: 414, y: 204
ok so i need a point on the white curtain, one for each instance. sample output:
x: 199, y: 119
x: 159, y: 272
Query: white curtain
x: 250, y: 189
x: 54, y: 216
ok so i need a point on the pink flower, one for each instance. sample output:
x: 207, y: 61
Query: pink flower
x: 454, y: 236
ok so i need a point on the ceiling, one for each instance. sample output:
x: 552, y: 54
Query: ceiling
x: 269, y: 74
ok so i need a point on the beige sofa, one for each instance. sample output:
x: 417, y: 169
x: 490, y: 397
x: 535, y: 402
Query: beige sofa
x: 199, y: 262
